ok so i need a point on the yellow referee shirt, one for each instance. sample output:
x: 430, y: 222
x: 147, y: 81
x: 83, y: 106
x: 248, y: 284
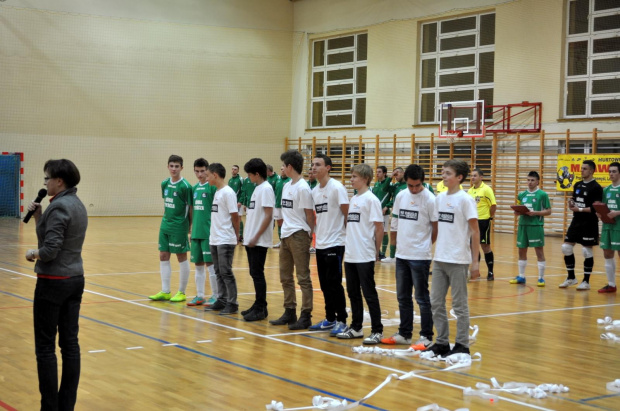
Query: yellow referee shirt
x: 485, y: 198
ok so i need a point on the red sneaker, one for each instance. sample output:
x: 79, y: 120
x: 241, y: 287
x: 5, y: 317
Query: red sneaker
x: 607, y: 289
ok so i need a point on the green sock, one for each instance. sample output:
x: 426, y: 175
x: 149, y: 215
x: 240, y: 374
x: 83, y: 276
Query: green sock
x: 279, y: 233
x: 392, y: 251
x: 386, y: 240
x: 241, y: 229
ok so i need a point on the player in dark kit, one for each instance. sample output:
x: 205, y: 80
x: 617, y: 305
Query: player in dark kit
x: 584, y: 227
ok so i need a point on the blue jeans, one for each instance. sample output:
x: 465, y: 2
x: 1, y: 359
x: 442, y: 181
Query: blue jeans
x: 412, y: 274
x: 57, y: 310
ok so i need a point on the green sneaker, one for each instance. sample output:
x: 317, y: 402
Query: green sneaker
x: 160, y: 296
x: 178, y: 297
x: 211, y: 300
x: 197, y: 301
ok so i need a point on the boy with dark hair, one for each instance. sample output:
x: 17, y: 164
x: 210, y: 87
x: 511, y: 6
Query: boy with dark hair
x: 298, y: 216
x: 362, y: 249
x: 223, y: 238
x: 583, y: 228
x: 383, y: 190
x: 485, y: 201
x: 175, y: 224
x: 259, y: 235
x: 331, y: 203
x: 202, y: 200
x: 610, y: 236
x: 416, y: 229
x: 247, y: 188
x: 272, y: 177
x: 457, y: 218
x: 530, y: 232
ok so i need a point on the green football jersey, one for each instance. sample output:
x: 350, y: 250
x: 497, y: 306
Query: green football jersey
x: 236, y: 183
x: 396, y: 188
x: 312, y: 184
x: 273, y: 180
x: 611, y: 197
x: 202, y: 199
x: 383, y: 191
x: 177, y: 200
x: 278, y: 190
x: 247, y: 188
x: 536, y: 201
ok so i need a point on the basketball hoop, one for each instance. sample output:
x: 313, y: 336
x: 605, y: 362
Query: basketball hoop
x: 452, y: 134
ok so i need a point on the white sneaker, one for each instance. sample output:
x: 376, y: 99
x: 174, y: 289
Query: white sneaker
x: 277, y: 245
x: 422, y: 344
x: 584, y: 286
x: 373, y: 338
x: 568, y: 282
x: 388, y: 260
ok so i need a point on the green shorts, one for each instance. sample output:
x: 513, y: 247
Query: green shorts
x: 610, y: 240
x: 530, y: 236
x: 173, y: 243
x: 201, y: 252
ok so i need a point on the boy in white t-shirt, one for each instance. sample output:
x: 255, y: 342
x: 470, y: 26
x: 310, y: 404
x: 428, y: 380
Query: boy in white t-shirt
x: 298, y: 216
x: 258, y: 235
x: 457, y: 216
x: 362, y: 250
x: 222, y: 239
x: 414, y: 218
x: 331, y: 203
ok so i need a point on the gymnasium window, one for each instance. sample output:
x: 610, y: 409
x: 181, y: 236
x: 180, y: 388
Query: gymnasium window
x: 338, y: 98
x: 457, y: 63
x: 592, y: 86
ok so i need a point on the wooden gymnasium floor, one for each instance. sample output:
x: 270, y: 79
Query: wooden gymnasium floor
x: 138, y: 354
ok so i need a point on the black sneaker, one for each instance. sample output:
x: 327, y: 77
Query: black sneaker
x: 381, y: 256
x: 216, y: 306
x: 256, y: 314
x: 490, y: 277
x: 230, y: 309
x: 246, y: 312
x: 459, y: 349
x: 438, y: 349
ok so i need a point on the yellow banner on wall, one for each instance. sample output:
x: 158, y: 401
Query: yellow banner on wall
x: 569, y: 169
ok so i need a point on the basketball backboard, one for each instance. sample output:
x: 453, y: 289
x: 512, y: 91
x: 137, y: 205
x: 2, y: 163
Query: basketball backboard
x: 461, y: 119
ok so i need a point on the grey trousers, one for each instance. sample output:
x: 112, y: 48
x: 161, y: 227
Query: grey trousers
x: 454, y: 276
x: 222, y: 256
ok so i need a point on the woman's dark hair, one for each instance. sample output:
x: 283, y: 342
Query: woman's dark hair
x: 63, y: 169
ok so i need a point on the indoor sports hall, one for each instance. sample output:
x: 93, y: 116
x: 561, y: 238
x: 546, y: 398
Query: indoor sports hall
x: 509, y: 86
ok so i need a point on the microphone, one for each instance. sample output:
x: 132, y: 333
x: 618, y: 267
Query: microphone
x: 40, y: 196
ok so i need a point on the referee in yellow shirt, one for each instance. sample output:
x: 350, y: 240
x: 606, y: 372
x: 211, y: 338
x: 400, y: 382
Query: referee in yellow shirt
x: 485, y: 199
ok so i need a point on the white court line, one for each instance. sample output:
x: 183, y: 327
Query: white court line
x: 95, y: 351
x: 301, y: 346
x: 134, y: 348
x: 170, y: 345
x: 237, y: 338
x: 203, y: 341
x: 387, y: 291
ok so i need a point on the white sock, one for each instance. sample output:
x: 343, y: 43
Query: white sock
x: 213, y: 281
x: 541, y: 269
x: 522, y: 265
x: 200, y: 280
x: 184, y: 275
x: 610, y: 270
x: 166, y: 273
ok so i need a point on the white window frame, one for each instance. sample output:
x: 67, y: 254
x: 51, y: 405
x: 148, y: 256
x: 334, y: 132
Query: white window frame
x: 325, y: 69
x: 438, y: 55
x: 589, y: 77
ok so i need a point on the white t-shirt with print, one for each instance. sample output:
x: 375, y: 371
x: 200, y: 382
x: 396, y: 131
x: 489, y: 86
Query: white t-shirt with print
x: 415, y: 213
x: 263, y: 196
x: 330, y: 228
x: 453, y: 212
x: 364, y: 212
x: 295, y: 199
x: 222, y: 230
